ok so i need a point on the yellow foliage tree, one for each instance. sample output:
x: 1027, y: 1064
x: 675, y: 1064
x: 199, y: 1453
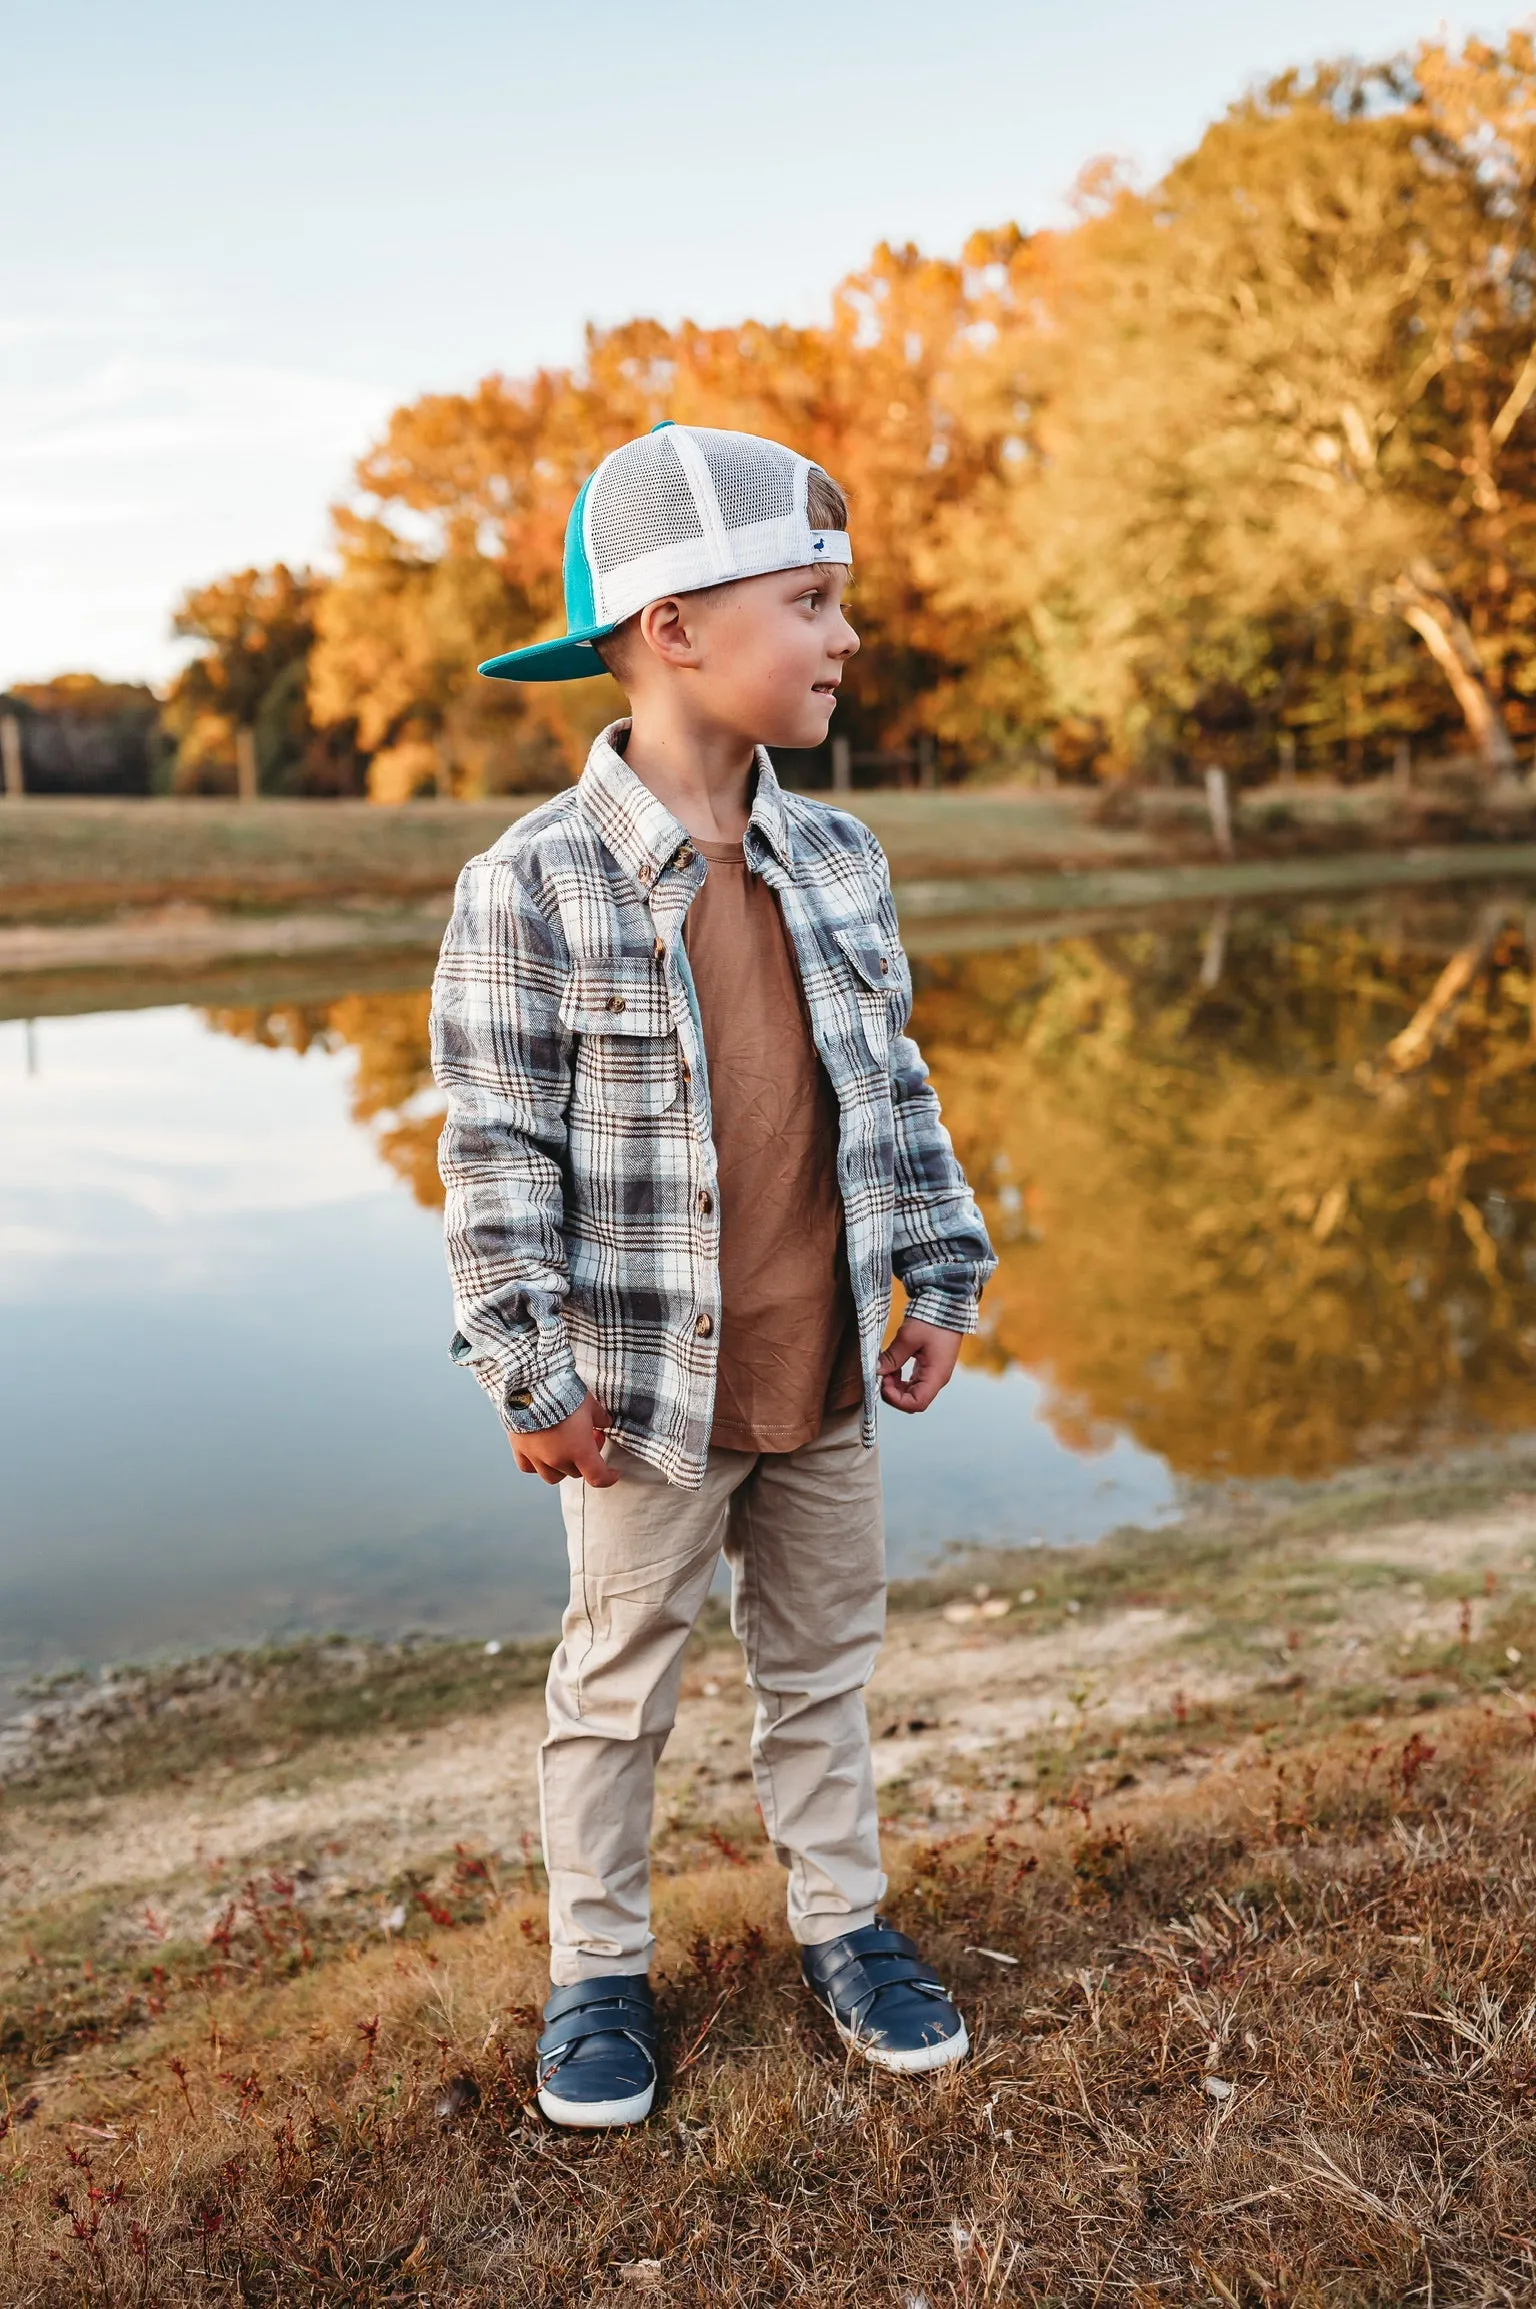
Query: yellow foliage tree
x: 1285, y: 386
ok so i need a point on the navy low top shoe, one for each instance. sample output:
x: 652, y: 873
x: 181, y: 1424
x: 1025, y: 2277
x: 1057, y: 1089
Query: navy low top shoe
x: 887, y: 2004
x: 597, y: 2056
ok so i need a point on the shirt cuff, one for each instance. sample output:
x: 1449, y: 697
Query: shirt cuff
x: 946, y: 1310
x: 526, y: 1410
x: 526, y: 1404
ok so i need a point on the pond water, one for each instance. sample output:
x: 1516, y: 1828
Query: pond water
x: 1248, y: 1226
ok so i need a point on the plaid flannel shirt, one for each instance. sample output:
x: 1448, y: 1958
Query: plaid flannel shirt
x: 582, y: 1222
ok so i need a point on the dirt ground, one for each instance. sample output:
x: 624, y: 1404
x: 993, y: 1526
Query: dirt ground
x: 980, y: 1700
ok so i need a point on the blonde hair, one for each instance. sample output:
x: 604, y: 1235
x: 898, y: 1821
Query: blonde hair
x: 825, y: 504
x: 826, y: 507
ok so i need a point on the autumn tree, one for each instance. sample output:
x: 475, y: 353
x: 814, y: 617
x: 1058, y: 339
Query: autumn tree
x: 255, y: 629
x: 1278, y: 400
x: 1242, y: 463
x: 453, y: 548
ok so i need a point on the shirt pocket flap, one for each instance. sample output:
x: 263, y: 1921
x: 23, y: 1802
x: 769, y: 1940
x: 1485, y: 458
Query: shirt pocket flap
x: 617, y: 995
x: 870, y: 956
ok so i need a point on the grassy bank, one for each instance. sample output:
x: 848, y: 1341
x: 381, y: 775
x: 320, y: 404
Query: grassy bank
x: 63, y: 860
x: 73, y: 860
x: 1222, y: 1835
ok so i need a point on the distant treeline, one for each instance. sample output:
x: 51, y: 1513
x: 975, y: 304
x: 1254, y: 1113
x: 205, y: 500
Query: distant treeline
x: 78, y: 735
x: 1237, y: 470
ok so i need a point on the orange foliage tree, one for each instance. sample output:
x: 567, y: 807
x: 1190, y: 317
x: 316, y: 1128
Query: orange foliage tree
x: 256, y: 629
x: 1240, y: 463
x: 455, y: 547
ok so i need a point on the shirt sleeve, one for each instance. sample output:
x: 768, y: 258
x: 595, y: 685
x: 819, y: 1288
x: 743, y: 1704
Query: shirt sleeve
x: 503, y: 1062
x: 940, y: 1250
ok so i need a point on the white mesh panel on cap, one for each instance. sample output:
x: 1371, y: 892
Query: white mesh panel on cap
x: 754, y: 480
x: 641, y: 500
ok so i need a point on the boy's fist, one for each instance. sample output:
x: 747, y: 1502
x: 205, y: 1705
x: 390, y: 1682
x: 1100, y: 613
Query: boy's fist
x: 932, y: 1354
x: 574, y: 1447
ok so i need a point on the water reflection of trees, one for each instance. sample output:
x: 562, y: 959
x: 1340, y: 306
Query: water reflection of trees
x: 1224, y: 1222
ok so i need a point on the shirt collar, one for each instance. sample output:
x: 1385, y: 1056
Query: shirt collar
x: 642, y: 833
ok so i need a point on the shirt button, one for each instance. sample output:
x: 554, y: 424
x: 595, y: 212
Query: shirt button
x: 884, y: 966
x: 522, y: 1400
x: 705, y: 1325
x: 684, y: 856
x: 616, y: 1002
x: 687, y: 1071
x: 659, y: 950
x: 706, y: 1202
x: 647, y: 873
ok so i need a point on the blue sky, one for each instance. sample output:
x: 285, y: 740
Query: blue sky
x: 245, y: 234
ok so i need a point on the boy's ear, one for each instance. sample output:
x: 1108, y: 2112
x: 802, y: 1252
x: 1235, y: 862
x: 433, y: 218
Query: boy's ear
x: 667, y: 628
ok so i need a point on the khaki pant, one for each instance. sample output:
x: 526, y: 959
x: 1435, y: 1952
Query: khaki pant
x: 803, y: 1534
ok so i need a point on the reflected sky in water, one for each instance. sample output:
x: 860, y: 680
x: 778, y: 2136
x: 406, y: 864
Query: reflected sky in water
x: 1262, y: 1189
x: 225, y: 1403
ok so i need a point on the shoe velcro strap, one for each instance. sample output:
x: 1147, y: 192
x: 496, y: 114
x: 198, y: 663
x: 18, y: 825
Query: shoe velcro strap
x: 552, y: 2058
x: 628, y: 1987
x: 876, y: 1965
x: 616, y: 2016
x: 876, y: 1940
x: 854, y: 1988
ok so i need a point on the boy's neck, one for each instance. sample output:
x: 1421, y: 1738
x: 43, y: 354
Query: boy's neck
x: 703, y: 776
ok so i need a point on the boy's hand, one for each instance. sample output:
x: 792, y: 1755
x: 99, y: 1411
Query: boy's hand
x: 932, y: 1354
x: 574, y: 1447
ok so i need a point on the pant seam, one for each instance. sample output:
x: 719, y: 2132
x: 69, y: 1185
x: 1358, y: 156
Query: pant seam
x: 769, y: 1704
x: 586, y: 1605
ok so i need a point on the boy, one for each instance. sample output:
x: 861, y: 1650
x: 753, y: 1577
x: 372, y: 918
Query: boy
x: 687, y: 1145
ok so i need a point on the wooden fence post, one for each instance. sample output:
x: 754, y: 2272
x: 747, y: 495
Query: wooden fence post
x: 10, y: 756
x: 927, y: 764
x: 842, y: 766
x: 1217, y: 803
x: 246, y: 788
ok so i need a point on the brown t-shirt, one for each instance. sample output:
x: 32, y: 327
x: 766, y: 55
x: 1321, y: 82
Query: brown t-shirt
x: 789, y: 1349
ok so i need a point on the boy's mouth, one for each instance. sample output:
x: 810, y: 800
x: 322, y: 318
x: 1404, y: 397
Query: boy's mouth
x: 824, y: 689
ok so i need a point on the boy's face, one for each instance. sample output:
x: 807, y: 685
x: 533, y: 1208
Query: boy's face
x: 764, y: 656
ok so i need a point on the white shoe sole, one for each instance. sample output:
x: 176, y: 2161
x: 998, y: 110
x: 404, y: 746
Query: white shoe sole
x: 918, y: 2062
x: 593, y: 2115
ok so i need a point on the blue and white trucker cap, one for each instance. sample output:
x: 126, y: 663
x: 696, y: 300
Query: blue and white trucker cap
x: 683, y: 507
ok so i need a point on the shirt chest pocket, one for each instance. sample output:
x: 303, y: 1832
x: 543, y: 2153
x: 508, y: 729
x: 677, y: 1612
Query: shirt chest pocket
x: 626, y: 1059
x: 878, y: 985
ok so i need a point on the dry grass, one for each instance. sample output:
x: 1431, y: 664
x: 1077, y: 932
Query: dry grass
x: 1269, y: 2038
x: 1249, y: 1803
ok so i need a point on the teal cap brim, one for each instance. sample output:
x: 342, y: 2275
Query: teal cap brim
x: 571, y: 658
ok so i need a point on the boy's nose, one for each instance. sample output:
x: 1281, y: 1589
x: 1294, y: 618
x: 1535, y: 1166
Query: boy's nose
x: 847, y: 641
